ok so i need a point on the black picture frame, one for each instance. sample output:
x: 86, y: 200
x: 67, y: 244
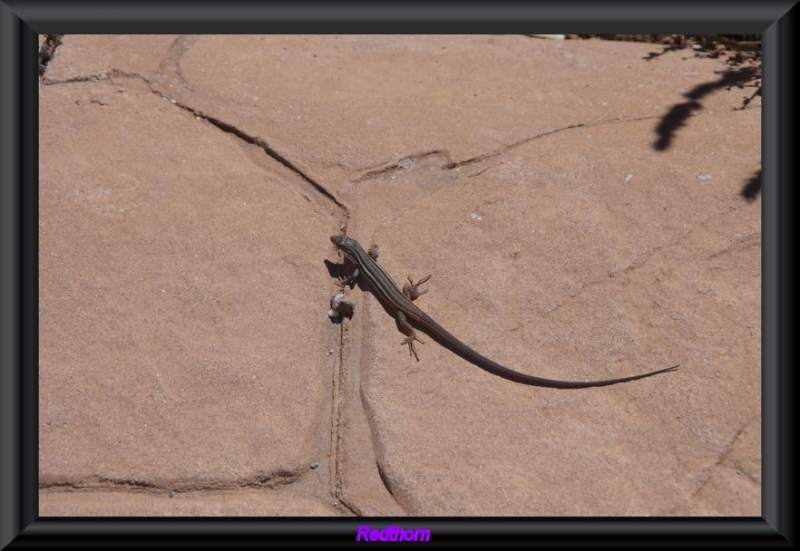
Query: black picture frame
x: 21, y: 21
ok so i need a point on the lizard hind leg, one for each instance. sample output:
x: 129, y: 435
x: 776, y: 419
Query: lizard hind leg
x: 411, y: 335
x: 410, y: 342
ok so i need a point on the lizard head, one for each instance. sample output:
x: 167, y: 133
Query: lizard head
x: 348, y: 245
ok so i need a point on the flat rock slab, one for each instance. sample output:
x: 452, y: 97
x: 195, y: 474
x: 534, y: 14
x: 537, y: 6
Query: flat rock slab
x: 586, y: 209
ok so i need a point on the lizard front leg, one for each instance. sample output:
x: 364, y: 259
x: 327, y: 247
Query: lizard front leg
x: 411, y: 289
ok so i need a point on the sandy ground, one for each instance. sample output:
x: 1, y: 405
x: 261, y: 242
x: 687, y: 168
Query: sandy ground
x: 585, y: 208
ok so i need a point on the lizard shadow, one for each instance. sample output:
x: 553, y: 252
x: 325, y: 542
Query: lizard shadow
x: 345, y: 269
x: 342, y: 271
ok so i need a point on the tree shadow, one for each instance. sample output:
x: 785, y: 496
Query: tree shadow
x: 48, y: 50
x: 752, y: 188
x: 745, y: 71
x: 680, y: 113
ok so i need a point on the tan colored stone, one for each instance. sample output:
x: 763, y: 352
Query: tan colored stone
x: 575, y: 225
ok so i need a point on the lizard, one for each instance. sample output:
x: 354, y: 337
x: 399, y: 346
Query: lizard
x: 407, y: 314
